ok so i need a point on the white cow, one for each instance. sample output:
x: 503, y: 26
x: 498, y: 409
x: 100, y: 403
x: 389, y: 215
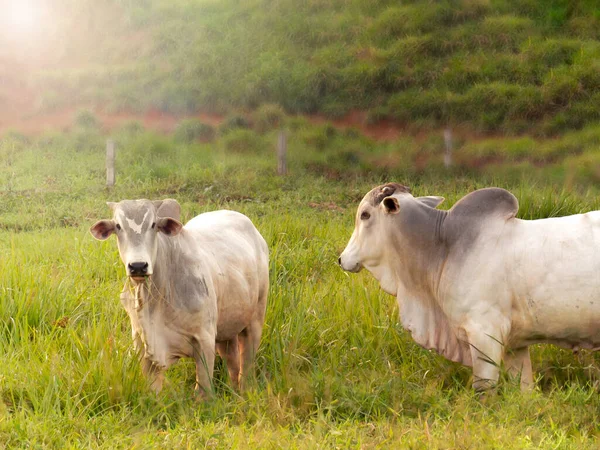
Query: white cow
x: 190, y: 288
x: 477, y: 284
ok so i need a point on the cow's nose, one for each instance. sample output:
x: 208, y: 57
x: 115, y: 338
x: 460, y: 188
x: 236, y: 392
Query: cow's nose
x: 138, y: 268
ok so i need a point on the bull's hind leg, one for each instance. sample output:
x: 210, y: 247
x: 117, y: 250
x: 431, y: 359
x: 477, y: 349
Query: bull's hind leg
x: 249, y: 340
x: 230, y: 352
x: 518, y: 364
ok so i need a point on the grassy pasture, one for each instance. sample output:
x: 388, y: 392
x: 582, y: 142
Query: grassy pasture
x: 335, y: 369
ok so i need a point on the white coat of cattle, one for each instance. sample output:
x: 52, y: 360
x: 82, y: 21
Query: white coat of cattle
x: 475, y: 283
x: 191, y: 288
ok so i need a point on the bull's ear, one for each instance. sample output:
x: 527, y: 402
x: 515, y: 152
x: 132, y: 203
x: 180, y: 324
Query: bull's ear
x: 102, y: 229
x: 169, y: 226
x: 391, y: 205
x: 168, y: 208
x: 431, y: 200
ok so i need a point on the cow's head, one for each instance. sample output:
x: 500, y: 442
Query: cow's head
x: 136, y: 224
x: 375, y: 223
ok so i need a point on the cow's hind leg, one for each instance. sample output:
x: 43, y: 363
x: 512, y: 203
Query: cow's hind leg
x: 230, y: 352
x: 204, y: 355
x: 518, y: 364
x: 249, y: 340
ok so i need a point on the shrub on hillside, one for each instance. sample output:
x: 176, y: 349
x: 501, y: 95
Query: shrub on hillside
x: 552, y: 52
x: 242, y: 141
x: 268, y: 117
x: 318, y: 137
x: 86, y: 119
x: 233, y: 122
x: 335, y: 109
x: 132, y: 128
x: 190, y: 130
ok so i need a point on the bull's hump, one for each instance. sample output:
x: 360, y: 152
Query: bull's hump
x: 476, y: 213
x: 486, y: 203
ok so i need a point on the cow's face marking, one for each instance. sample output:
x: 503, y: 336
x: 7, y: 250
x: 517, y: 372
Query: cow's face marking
x: 366, y: 244
x: 135, y: 227
x: 136, y: 224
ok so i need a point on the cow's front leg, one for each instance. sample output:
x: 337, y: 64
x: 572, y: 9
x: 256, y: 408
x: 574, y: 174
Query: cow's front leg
x: 154, y: 373
x: 487, y: 351
x: 518, y: 364
x: 204, y: 355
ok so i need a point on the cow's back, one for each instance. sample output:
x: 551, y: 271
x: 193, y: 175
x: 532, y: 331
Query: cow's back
x: 236, y: 256
x: 554, y: 267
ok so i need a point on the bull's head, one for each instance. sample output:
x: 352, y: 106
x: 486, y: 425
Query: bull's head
x: 374, y: 225
x: 136, y: 224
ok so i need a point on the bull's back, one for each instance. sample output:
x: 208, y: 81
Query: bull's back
x: 237, y: 257
x: 554, y: 267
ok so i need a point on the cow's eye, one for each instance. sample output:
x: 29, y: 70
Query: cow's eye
x: 118, y: 227
x: 365, y: 215
x: 153, y: 225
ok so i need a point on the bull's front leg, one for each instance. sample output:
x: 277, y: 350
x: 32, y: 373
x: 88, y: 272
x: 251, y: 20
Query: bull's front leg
x: 487, y: 351
x: 154, y: 373
x: 204, y: 348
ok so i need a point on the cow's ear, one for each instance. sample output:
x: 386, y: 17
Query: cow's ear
x: 102, y: 229
x: 168, y: 208
x: 431, y: 200
x: 391, y: 205
x: 169, y: 226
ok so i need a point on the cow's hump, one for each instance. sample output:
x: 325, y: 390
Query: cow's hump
x: 477, y: 211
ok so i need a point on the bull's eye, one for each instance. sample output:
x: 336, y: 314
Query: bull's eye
x: 153, y: 225
x: 365, y: 215
x: 118, y: 227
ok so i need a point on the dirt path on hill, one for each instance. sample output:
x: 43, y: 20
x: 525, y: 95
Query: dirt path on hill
x: 19, y: 111
x: 19, y: 117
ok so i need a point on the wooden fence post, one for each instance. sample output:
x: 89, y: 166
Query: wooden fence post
x: 448, y: 147
x: 282, y: 153
x: 110, y: 163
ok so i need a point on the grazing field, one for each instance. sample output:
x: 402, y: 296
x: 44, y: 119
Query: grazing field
x: 335, y: 369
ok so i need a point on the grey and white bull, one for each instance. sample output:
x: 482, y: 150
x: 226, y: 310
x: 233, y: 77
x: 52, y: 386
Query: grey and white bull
x: 475, y: 283
x: 190, y: 289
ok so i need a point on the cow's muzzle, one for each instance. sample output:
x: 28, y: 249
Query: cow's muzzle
x: 137, y: 270
x: 354, y: 269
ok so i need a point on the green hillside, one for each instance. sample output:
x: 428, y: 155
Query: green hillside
x: 485, y: 65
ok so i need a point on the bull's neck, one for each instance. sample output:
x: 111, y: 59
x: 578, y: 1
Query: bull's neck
x: 157, y: 288
x: 164, y: 259
x: 420, y: 246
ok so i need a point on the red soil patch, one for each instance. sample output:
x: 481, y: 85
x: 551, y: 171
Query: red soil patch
x: 384, y: 130
x: 19, y: 111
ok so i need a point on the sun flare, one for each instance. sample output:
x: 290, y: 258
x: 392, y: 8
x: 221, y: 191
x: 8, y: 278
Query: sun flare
x: 22, y: 16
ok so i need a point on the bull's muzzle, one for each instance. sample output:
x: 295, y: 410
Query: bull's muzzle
x: 137, y: 269
x: 354, y: 268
